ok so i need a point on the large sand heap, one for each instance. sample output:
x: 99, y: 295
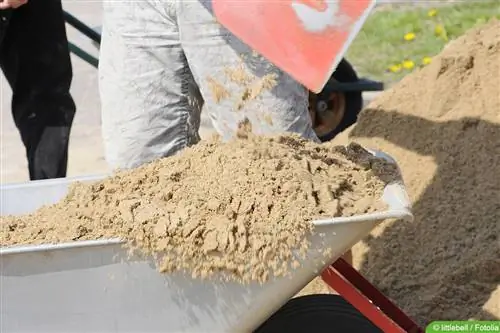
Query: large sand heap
x: 442, y: 124
x: 239, y: 208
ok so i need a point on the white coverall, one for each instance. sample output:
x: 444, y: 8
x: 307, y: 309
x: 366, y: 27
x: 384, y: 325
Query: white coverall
x: 155, y: 55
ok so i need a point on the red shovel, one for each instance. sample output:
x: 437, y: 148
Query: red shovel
x: 305, y: 38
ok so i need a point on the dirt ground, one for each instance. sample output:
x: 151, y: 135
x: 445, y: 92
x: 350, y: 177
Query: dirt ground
x: 442, y: 124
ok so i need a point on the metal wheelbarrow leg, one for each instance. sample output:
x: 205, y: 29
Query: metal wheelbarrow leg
x: 359, y: 307
x: 374, y: 305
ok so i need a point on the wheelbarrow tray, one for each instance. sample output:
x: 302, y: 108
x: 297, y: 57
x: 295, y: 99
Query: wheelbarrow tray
x: 96, y: 286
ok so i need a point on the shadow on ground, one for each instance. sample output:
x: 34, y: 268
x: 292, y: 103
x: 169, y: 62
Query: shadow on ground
x: 446, y: 264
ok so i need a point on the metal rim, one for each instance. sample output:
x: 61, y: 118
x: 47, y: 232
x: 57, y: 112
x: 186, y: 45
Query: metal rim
x: 325, y: 119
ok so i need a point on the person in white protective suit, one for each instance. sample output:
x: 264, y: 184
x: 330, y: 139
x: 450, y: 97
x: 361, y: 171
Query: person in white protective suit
x: 154, y: 57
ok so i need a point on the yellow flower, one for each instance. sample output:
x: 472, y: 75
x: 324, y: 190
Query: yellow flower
x: 432, y: 12
x: 408, y: 64
x: 395, y: 68
x: 409, y: 36
x: 440, y: 31
x: 426, y: 61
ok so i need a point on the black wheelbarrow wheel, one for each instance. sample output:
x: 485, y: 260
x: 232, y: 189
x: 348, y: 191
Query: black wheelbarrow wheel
x: 333, y: 111
x: 318, y: 314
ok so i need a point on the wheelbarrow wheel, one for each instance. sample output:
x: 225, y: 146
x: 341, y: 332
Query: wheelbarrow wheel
x: 334, y: 111
x: 318, y: 314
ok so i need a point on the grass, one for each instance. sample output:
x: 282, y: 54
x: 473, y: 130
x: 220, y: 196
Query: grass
x: 381, y: 43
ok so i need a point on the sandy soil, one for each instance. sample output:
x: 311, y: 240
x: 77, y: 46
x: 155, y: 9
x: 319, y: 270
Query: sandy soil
x: 442, y: 124
x: 241, y: 214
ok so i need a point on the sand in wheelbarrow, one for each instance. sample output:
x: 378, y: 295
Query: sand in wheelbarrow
x: 442, y: 125
x: 238, y: 207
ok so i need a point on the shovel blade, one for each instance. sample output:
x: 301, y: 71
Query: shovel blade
x: 305, y: 38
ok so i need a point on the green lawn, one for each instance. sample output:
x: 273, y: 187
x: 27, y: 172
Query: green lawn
x: 381, y: 43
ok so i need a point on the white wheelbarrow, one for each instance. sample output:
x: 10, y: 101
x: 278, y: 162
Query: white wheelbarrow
x: 94, y: 286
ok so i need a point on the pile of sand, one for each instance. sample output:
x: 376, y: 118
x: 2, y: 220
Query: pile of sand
x: 239, y: 208
x: 442, y: 125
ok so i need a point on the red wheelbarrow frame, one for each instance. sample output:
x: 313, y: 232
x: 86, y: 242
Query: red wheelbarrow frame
x: 340, y: 276
x: 367, y: 299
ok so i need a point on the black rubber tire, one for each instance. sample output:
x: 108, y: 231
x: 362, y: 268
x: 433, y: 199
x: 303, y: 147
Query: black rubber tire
x: 318, y: 314
x: 353, y: 99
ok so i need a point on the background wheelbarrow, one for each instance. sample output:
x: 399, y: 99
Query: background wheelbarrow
x: 91, y: 286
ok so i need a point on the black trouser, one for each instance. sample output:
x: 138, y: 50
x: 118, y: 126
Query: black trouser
x: 34, y: 57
